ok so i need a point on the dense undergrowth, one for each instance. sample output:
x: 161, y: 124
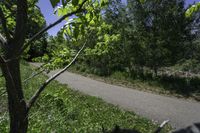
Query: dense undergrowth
x: 62, y: 110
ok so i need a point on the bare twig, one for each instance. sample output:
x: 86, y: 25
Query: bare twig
x: 51, y: 26
x: 3, y: 92
x: 41, y: 89
x: 2, y: 61
x: 34, y: 75
x: 3, y: 41
x: 161, y: 126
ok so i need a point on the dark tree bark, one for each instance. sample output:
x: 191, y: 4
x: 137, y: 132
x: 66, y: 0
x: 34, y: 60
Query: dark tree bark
x: 11, y: 69
x: 16, y: 101
x: 13, y: 47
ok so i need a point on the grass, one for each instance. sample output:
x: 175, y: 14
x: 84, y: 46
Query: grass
x: 62, y: 110
x: 173, y: 86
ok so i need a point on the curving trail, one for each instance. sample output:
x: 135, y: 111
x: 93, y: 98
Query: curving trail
x: 181, y: 113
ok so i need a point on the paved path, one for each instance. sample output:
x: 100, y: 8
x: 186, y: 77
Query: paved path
x: 181, y: 113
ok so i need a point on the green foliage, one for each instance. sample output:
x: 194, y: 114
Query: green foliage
x: 58, y: 53
x: 35, y: 23
x: 146, y: 37
x: 140, y: 39
x: 59, y: 58
x: 103, y: 42
x: 77, y: 25
x: 75, y: 31
x: 62, y: 110
x: 194, y: 8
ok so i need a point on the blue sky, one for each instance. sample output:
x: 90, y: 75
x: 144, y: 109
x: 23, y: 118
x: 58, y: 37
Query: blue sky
x: 47, y: 11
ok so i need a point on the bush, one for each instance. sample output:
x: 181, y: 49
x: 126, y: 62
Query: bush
x: 120, y: 75
x: 192, y: 65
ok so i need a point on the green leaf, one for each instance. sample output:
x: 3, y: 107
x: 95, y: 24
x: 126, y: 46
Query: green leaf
x: 192, y: 9
x: 82, y: 28
x: 68, y: 30
x: 87, y: 16
x: 54, y: 3
x: 59, y: 11
x: 75, y: 2
x: 76, y: 32
x: 80, y: 1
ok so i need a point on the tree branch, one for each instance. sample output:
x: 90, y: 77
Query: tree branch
x: 41, y: 70
x: 158, y: 130
x: 3, y: 40
x: 21, y: 23
x: 33, y: 75
x: 2, y: 60
x: 4, y: 24
x: 51, y: 26
x: 41, y: 89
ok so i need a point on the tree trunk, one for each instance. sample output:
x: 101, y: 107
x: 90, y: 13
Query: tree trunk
x: 16, y: 102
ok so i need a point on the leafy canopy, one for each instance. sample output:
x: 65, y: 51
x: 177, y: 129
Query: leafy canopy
x: 89, y: 15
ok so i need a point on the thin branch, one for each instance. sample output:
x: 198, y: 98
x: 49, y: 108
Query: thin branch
x: 42, y: 88
x: 34, y: 75
x: 2, y: 61
x: 3, y: 43
x: 158, y: 130
x: 41, y: 70
x: 3, y: 40
x: 3, y: 91
x: 43, y: 64
x: 51, y: 26
x: 4, y: 24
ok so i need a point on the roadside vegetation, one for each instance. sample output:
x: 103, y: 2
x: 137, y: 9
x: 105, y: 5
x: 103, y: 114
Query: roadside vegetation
x: 185, y: 88
x: 62, y: 110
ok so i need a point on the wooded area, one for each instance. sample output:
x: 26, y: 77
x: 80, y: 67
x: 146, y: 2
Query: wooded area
x: 150, y: 41
x: 141, y: 38
x: 133, y: 37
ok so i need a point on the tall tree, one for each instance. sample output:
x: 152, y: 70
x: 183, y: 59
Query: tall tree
x: 13, y: 44
x: 36, y: 21
x: 165, y: 28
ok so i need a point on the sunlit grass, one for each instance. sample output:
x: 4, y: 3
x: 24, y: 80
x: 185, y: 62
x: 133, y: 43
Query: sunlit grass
x: 63, y: 110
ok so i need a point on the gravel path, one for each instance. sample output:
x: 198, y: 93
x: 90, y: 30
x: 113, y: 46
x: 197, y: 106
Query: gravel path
x: 180, y: 112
